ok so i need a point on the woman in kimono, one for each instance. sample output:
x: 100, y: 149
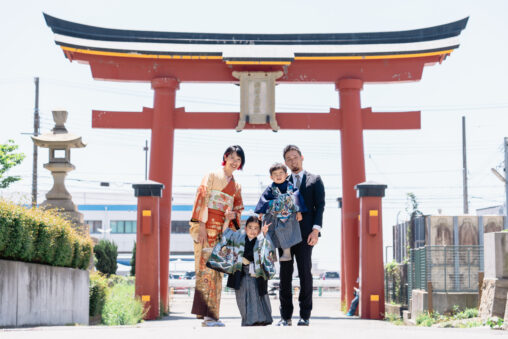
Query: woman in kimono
x: 217, y: 195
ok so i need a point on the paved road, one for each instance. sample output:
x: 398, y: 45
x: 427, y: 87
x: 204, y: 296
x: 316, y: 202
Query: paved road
x: 326, y: 322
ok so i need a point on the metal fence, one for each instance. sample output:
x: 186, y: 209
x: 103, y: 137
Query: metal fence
x: 449, y: 268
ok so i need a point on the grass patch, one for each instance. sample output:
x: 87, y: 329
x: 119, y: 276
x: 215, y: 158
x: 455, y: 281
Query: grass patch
x: 394, y: 319
x: 121, y: 306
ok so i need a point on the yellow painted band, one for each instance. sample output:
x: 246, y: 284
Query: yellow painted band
x: 371, y: 57
x: 373, y: 213
x: 145, y: 56
x: 147, y: 213
x: 374, y: 297
x: 214, y: 57
x: 145, y: 298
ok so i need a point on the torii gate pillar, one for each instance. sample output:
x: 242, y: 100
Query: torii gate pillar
x: 353, y: 172
x: 161, y: 166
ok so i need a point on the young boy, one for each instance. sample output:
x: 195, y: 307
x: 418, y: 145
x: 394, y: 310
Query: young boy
x: 282, y: 206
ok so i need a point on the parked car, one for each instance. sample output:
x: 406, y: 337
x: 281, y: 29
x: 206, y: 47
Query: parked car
x: 329, y: 275
x: 190, y: 275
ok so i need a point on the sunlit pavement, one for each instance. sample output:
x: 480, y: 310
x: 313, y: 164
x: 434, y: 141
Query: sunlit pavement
x: 327, y: 322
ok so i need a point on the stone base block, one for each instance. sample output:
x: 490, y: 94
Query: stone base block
x: 494, y: 298
x: 442, y: 302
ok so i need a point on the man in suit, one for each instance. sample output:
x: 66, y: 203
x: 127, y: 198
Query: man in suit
x: 313, y: 191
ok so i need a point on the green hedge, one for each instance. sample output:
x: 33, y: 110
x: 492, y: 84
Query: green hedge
x: 41, y: 236
x: 98, y: 286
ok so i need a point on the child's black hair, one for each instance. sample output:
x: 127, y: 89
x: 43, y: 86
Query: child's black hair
x: 253, y: 218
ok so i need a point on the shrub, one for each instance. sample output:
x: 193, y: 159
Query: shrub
x: 121, y: 307
x: 106, y: 253
x: 97, y: 293
x: 41, y: 236
x: 133, y: 261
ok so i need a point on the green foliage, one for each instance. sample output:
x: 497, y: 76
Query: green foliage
x: 133, y: 261
x: 468, y: 313
x: 394, y: 319
x: 393, y: 273
x: 495, y: 322
x: 41, y: 236
x: 97, y: 293
x: 453, y: 320
x: 121, y: 306
x: 9, y: 159
x: 106, y: 253
x: 414, y: 212
x: 427, y: 319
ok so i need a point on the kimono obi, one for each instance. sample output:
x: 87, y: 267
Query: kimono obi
x: 220, y: 201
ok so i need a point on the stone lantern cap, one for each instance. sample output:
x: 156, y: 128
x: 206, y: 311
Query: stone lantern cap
x: 370, y: 189
x: 59, y: 136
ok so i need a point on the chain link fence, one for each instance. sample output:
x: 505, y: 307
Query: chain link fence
x: 448, y: 268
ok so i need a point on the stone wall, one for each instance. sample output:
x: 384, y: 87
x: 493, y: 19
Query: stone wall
x: 33, y: 294
x: 493, y: 301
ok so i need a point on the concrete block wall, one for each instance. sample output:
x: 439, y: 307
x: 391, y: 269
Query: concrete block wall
x: 441, y: 302
x: 33, y: 294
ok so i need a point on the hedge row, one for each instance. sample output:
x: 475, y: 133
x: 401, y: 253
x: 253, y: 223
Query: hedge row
x: 41, y: 236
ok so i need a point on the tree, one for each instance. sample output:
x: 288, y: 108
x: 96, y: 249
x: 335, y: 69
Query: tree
x: 9, y: 159
x: 414, y: 212
x: 133, y: 261
x: 106, y: 253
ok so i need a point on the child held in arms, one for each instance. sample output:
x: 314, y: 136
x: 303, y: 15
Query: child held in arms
x: 281, y: 205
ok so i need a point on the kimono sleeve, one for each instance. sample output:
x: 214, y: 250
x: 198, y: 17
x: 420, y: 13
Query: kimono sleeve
x: 264, y: 201
x: 200, y: 208
x: 238, y: 205
x: 299, y: 201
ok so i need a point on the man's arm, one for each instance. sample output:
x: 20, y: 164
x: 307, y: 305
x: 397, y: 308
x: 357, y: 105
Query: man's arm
x: 319, y: 201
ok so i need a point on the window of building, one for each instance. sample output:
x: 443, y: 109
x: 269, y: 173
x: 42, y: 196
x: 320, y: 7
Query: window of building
x: 94, y: 225
x: 180, y: 226
x: 123, y: 226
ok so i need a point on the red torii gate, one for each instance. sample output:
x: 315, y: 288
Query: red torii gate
x: 347, y: 60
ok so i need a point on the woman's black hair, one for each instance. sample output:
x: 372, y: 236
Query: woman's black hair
x: 234, y: 149
x: 253, y: 218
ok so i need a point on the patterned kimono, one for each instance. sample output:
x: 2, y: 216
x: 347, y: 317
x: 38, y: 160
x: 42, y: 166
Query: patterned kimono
x: 214, y: 196
x: 279, y: 204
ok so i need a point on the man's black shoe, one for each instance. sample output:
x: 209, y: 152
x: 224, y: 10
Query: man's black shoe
x: 284, y: 322
x: 303, y: 322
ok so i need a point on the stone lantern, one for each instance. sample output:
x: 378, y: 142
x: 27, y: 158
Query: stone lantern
x: 59, y: 142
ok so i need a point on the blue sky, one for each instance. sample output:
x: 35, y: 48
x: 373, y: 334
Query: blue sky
x: 427, y: 162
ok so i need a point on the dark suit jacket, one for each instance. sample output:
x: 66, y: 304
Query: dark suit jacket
x: 313, y: 192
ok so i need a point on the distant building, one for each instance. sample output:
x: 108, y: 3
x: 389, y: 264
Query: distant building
x: 492, y: 210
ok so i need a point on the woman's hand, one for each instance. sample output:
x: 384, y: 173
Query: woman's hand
x: 260, y: 216
x: 264, y: 229
x: 202, y: 235
x: 228, y: 216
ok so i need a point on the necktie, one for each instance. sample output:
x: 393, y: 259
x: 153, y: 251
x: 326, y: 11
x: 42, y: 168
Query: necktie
x: 298, y: 181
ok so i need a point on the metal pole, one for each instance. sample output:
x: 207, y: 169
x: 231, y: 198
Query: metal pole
x: 506, y: 182
x: 146, y: 159
x: 35, y: 153
x: 464, y: 165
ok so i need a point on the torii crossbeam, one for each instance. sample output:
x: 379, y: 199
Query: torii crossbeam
x: 347, y: 60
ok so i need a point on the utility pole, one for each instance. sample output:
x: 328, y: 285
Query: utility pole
x: 146, y: 159
x: 464, y: 165
x: 36, y: 133
x: 505, y: 182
